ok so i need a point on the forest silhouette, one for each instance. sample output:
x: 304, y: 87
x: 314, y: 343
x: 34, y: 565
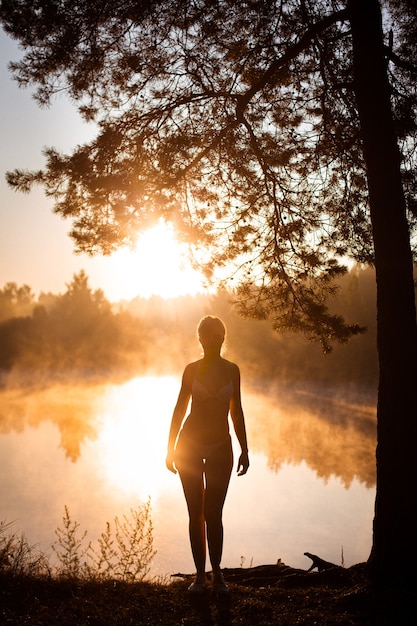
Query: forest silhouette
x: 79, y: 335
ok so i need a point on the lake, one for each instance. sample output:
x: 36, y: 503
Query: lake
x: 100, y: 451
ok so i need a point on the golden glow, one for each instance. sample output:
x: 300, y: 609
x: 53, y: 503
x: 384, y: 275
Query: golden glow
x: 134, y: 434
x: 158, y: 266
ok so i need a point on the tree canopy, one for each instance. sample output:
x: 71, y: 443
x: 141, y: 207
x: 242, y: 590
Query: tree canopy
x: 235, y: 121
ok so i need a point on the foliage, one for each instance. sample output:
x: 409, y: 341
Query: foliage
x: 237, y: 122
x: 77, y: 335
x: 69, y: 547
x: 74, y: 332
x: 30, y: 593
x: 15, y: 301
x: 18, y: 557
x: 126, y: 555
x: 123, y: 552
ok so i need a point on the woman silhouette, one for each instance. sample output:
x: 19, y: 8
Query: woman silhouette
x: 201, y: 449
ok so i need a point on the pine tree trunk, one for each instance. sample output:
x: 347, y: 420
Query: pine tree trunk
x: 394, y: 552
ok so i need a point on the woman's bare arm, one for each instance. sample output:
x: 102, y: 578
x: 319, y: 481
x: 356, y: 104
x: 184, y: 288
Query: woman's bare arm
x: 178, y: 415
x: 238, y: 419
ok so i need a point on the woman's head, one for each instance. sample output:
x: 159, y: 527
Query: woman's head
x: 211, y: 332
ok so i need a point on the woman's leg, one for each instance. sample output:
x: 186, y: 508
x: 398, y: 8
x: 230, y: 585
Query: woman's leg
x: 218, y: 468
x: 191, y: 474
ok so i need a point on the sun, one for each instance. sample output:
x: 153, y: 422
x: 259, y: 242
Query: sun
x: 157, y: 266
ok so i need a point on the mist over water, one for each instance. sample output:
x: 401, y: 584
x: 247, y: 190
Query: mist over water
x: 100, y: 450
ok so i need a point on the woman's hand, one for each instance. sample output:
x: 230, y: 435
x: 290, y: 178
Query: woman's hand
x: 243, y: 464
x: 170, y: 462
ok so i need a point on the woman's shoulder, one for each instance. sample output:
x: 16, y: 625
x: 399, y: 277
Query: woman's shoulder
x: 232, y: 367
x: 191, y: 368
x: 189, y: 374
x: 194, y: 365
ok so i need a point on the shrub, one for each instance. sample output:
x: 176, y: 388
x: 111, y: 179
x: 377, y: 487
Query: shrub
x: 17, y: 557
x: 124, y: 550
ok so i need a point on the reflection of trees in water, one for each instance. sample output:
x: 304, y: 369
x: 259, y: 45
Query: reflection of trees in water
x: 72, y: 409
x: 333, y: 436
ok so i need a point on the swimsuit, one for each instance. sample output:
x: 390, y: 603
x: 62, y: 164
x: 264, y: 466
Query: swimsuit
x: 200, y: 392
x: 206, y: 429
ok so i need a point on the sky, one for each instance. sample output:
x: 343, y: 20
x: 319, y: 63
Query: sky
x: 35, y: 248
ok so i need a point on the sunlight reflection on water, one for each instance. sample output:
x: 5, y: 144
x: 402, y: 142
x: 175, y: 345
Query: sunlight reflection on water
x: 309, y: 487
x: 133, y: 434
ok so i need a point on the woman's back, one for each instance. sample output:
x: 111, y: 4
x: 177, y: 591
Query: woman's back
x: 211, y: 392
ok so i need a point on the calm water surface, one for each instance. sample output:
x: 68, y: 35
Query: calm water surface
x: 101, y: 451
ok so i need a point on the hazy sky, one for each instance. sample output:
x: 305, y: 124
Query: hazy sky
x: 34, y: 246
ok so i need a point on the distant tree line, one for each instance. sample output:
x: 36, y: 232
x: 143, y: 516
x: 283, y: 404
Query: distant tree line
x: 76, y: 333
x: 81, y: 334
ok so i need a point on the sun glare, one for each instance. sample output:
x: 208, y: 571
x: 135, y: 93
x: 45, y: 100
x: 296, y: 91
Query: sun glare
x: 134, y: 432
x: 158, y: 266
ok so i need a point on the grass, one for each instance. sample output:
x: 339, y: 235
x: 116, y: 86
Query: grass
x: 84, y: 590
x: 45, y: 601
x: 34, y: 600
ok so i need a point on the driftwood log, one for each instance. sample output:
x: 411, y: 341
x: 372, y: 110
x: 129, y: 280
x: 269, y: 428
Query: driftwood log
x: 321, y: 564
x: 284, y: 575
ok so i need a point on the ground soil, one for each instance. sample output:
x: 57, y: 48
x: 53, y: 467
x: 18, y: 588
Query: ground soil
x: 280, y: 596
